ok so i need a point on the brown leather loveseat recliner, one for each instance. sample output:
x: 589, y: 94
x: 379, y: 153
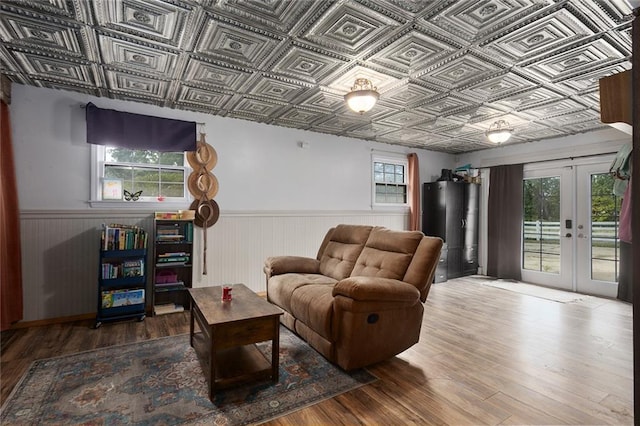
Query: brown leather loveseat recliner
x: 360, y: 300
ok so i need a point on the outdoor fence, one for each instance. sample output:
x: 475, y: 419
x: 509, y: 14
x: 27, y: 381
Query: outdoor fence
x: 602, y: 233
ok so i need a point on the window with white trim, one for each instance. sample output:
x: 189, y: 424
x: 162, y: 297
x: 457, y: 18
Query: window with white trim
x: 142, y: 175
x: 390, y: 186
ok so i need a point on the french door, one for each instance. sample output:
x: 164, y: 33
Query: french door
x: 570, y: 228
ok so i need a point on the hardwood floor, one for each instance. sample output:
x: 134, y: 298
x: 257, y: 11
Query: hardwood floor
x: 486, y: 356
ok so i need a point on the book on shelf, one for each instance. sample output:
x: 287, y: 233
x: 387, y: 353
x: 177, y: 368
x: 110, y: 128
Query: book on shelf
x: 116, y: 298
x: 173, y: 254
x: 126, y: 269
x: 179, y: 285
x: 133, y: 268
x: 167, y: 308
x: 122, y: 237
x: 173, y: 259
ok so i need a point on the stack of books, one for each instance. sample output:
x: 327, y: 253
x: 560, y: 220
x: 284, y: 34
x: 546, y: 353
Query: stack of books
x: 173, y: 258
x: 167, y: 308
x: 169, y: 234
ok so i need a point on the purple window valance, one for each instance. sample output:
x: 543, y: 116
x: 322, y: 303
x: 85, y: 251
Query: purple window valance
x: 137, y: 131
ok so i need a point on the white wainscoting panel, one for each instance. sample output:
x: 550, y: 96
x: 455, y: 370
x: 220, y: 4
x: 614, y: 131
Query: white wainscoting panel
x: 60, y: 250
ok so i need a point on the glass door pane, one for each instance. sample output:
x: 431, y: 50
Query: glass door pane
x: 605, y: 245
x: 541, y: 225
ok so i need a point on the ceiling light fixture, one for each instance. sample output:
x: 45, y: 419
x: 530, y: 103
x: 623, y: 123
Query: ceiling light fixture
x: 362, y: 97
x: 499, y: 132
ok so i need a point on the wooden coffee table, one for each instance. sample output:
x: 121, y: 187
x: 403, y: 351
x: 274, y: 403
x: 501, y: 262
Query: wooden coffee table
x: 224, y: 334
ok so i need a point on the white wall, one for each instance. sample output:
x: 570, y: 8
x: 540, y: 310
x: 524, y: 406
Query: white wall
x: 260, y: 167
x: 275, y: 197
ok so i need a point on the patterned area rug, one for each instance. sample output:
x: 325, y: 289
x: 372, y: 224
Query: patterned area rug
x: 161, y: 382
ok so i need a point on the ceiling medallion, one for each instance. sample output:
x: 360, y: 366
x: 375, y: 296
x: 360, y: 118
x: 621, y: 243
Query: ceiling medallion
x: 363, y: 96
x: 499, y: 132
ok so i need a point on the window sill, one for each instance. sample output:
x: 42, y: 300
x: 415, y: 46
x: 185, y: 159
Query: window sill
x: 141, y: 205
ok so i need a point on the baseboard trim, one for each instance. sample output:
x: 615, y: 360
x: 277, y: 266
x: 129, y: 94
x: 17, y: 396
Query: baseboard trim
x: 51, y: 321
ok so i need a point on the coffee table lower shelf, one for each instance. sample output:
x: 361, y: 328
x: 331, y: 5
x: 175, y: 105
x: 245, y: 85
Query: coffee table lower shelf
x: 234, y: 366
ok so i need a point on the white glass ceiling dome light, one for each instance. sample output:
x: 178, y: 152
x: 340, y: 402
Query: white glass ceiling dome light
x: 499, y: 132
x: 362, y: 97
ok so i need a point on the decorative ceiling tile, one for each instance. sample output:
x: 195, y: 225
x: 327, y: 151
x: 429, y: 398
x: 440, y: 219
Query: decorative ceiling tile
x: 128, y: 54
x: 403, y: 119
x: 462, y: 71
x: 339, y: 125
x: 471, y: 20
x: 412, y: 52
x: 370, y: 130
x: 152, y: 19
x: 320, y: 100
x: 410, y: 94
x: 584, y: 58
x: 206, y: 73
x: 344, y: 82
x: 280, y: 15
x: 528, y: 98
x: 136, y: 84
x: 348, y: 27
x: 447, y: 105
x: 305, y: 64
x: 552, y: 109
x: 498, y: 87
x: 276, y: 89
x: 234, y: 43
x: 404, y: 135
x: 541, y: 36
x: 57, y: 8
x: 258, y: 109
x: 589, y: 81
x: 572, y: 118
x: 54, y: 68
x: 298, y: 117
x: 17, y: 31
x: 203, y: 98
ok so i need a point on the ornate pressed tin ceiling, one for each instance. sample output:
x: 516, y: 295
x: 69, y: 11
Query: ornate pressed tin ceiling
x: 445, y: 69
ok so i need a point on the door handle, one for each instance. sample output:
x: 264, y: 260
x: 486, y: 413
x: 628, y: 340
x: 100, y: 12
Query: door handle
x: 568, y: 235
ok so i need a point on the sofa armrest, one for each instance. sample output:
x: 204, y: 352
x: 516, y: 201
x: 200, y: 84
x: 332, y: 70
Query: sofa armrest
x: 376, y: 289
x: 278, y: 265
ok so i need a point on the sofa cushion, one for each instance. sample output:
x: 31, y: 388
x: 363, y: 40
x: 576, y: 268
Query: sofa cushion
x: 281, y: 288
x: 387, y: 253
x: 313, y: 305
x: 342, y: 250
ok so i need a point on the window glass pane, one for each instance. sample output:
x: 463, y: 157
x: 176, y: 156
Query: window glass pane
x: 379, y: 177
x: 118, y: 172
x: 389, y: 168
x: 171, y: 159
x: 399, y: 178
x: 389, y: 178
x: 172, y: 189
x: 378, y: 167
x: 399, y: 169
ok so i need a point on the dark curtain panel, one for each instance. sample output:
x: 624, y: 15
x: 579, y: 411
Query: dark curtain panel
x: 505, y: 222
x: 625, y: 275
x: 136, y: 131
x: 10, y: 255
